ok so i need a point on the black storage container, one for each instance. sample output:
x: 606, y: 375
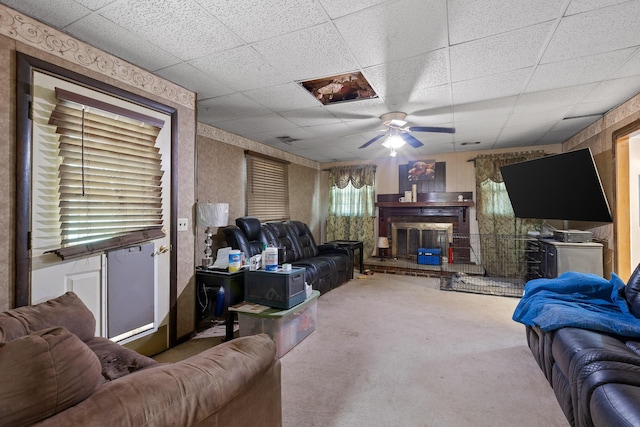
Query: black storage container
x: 279, y: 289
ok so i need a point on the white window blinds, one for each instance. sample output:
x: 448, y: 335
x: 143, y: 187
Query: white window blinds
x: 267, y: 188
x: 109, y: 175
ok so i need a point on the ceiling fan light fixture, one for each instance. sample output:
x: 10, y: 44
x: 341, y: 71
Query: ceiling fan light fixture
x: 393, y: 153
x: 393, y: 142
x: 397, y: 123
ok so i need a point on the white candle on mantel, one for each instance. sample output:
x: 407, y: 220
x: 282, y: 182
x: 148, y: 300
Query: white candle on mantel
x: 414, y: 192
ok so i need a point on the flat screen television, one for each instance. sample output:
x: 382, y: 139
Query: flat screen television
x: 561, y: 186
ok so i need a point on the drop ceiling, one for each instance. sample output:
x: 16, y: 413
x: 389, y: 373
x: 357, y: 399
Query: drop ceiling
x: 504, y: 73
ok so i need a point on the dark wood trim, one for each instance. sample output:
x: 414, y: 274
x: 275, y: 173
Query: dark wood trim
x: 105, y: 106
x: 173, y: 259
x: 26, y: 64
x: 22, y: 285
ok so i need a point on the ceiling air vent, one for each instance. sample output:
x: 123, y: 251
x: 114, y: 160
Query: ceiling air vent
x: 287, y: 139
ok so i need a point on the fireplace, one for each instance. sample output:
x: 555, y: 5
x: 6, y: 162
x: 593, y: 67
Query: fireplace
x: 436, y: 220
x: 408, y: 237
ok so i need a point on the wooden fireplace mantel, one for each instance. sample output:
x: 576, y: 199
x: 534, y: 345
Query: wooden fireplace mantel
x: 464, y: 204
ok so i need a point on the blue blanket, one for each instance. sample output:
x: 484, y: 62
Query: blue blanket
x: 580, y: 300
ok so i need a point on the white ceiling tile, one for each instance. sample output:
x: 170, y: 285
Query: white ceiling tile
x: 491, y: 87
x: 367, y: 108
x: 396, y: 30
x: 255, y: 20
x: 229, y: 107
x: 431, y: 117
x: 522, y: 116
x: 105, y: 35
x: 59, y: 13
x: 522, y: 135
x: 492, y: 55
x: 310, y: 116
x: 595, y: 32
x: 472, y: 134
x: 95, y: 4
x: 610, y: 93
x: 433, y: 98
x: 433, y: 138
x: 587, y: 109
x: 556, y: 137
x: 484, y: 109
x: 308, y: 54
x: 332, y: 130
x: 362, y: 126
x: 630, y: 68
x: 474, y: 124
x: 241, y: 68
x: 429, y: 149
x: 579, y: 6
x: 574, y: 125
x: 195, y: 80
x: 284, y: 97
x: 292, y: 40
x: 298, y: 134
x: 555, y: 97
x: 237, y: 126
x: 475, y: 19
x: 578, y: 71
x: 338, y: 8
x: 269, y: 123
x: 458, y: 147
x: 407, y: 75
x: 182, y: 27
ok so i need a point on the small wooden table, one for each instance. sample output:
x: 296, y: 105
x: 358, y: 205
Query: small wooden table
x: 352, y: 245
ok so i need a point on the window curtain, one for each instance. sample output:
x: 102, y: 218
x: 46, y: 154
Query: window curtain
x: 352, y: 205
x: 496, y: 220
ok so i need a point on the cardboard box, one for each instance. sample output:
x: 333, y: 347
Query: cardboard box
x: 286, y: 327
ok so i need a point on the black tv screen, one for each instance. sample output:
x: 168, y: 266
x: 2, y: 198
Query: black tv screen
x: 561, y: 186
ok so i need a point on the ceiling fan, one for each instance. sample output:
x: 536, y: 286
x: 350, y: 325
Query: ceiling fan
x: 398, y: 133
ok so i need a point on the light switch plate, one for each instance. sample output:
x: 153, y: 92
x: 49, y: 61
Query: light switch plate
x: 183, y: 224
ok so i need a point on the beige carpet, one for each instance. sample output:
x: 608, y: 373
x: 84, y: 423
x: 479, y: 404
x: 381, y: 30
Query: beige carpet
x: 396, y: 351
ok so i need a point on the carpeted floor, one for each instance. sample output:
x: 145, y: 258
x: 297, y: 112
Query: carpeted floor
x: 396, y: 351
x: 392, y: 350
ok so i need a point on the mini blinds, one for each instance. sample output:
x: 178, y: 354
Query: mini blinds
x: 109, y: 175
x: 267, y: 188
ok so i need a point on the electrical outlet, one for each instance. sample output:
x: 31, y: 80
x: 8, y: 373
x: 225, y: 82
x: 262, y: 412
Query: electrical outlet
x: 183, y: 224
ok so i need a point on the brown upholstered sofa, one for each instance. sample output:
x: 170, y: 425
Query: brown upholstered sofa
x: 55, y: 372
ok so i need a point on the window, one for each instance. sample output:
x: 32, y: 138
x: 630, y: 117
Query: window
x: 109, y: 175
x: 267, y: 188
x: 495, y: 199
x: 351, y: 201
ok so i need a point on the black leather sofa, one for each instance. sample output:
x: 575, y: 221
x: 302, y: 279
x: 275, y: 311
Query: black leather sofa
x: 326, y: 266
x: 594, y: 375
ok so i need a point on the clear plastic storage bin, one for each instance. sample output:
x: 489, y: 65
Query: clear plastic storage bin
x: 286, y: 327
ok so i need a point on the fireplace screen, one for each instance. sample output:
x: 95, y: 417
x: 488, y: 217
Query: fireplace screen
x: 408, y: 237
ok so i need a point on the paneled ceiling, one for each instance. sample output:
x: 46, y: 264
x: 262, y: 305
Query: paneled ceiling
x: 504, y: 73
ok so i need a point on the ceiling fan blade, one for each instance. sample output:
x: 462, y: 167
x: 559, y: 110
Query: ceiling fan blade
x: 431, y: 129
x: 372, y: 140
x: 411, y: 140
